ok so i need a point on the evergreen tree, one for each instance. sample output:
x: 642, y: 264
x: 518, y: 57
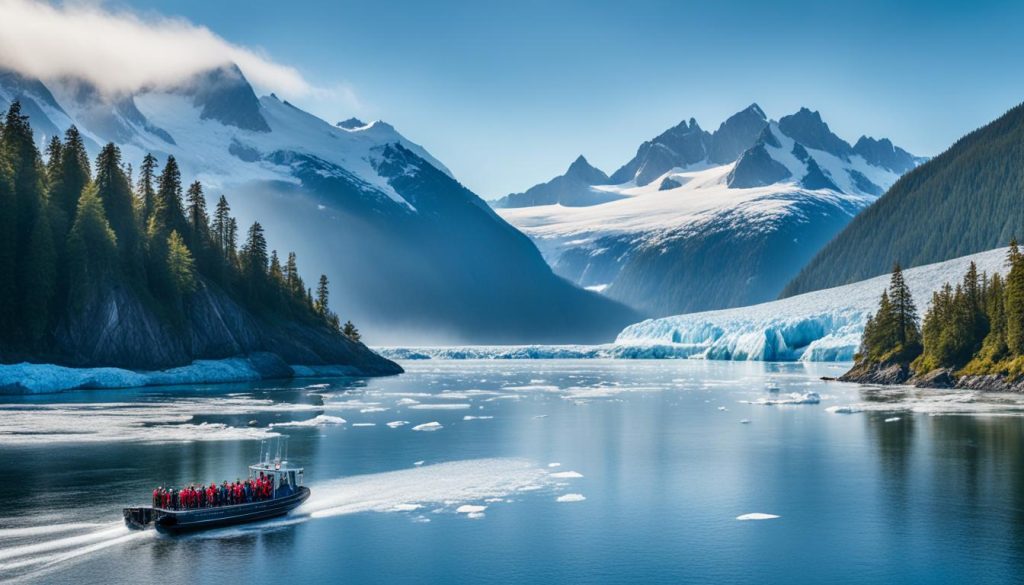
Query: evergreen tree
x: 904, y: 310
x: 180, y: 265
x: 147, y: 189
x: 276, y: 273
x: 74, y: 175
x: 254, y: 253
x: 198, y: 220
x: 322, y: 296
x: 114, y: 189
x: 292, y: 279
x: 167, y: 208
x: 350, y: 331
x: 231, y: 241
x: 1014, y: 301
x: 53, y: 157
x: 92, y: 244
x: 34, y: 249
x: 221, y: 221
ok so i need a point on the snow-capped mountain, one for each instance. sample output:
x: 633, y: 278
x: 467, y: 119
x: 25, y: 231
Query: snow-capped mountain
x: 410, y: 252
x: 702, y: 220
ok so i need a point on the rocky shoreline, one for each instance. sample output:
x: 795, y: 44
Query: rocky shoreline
x: 901, y: 374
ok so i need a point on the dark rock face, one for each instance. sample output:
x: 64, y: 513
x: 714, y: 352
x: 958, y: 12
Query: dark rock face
x: 882, y: 153
x: 114, y: 327
x: 669, y: 183
x: 351, y: 123
x: 877, y: 373
x: 941, y: 378
x: 572, y: 189
x: 807, y: 128
x: 738, y: 133
x: 679, y: 146
x: 990, y: 383
x: 224, y: 95
x: 757, y: 168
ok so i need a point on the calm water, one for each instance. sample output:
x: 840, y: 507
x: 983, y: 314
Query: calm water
x: 651, y: 476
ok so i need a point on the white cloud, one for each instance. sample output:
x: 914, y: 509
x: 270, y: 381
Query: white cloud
x: 121, y: 51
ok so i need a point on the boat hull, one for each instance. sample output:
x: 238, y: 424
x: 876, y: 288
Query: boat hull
x: 180, y: 521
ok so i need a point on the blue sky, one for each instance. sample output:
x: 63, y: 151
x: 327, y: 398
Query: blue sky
x: 508, y: 94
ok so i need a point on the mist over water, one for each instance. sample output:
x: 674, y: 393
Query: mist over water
x: 583, y: 471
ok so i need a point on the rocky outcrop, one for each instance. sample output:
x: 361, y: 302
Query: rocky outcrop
x: 892, y: 373
x: 114, y: 326
x: 864, y: 372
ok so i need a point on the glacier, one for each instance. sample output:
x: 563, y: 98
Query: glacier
x: 820, y: 326
x: 30, y: 378
x: 824, y: 325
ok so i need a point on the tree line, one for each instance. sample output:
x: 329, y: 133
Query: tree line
x: 973, y: 327
x: 67, y: 229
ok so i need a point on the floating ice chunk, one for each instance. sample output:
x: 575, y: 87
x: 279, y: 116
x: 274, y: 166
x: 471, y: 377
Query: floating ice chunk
x: 454, y: 406
x: 471, y: 417
x: 843, y: 409
x: 364, y: 424
x: 319, y: 420
x: 530, y: 487
x: 317, y: 386
x: 567, y: 475
x: 430, y: 426
x: 373, y: 409
x: 407, y: 401
x: 791, y: 398
x: 745, y: 421
x: 419, y: 463
x: 475, y: 515
x: 892, y: 419
x: 554, y: 464
x: 405, y: 507
x: 398, y: 423
x: 570, y: 498
x: 541, y: 416
x: 470, y: 509
x: 757, y: 516
x: 723, y: 409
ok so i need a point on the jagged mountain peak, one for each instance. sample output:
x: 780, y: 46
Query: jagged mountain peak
x: 224, y: 94
x: 807, y: 127
x: 885, y: 154
x: 582, y: 169
x: 351, y: 123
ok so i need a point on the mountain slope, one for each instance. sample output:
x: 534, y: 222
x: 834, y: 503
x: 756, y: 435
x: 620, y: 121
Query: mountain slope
x: 706, y: 235
x: 412, y: 255
x: 963, y: 201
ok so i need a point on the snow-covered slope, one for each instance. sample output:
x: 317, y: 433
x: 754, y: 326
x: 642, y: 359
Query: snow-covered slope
x: 410, y: 252
x: 687, y: 232
x: 824, y: 325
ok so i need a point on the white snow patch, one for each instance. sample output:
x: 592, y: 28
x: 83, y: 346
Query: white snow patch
x: 317, y: 421
x: 430, y: 426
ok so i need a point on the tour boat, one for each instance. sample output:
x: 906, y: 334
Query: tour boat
x: 287, y: 494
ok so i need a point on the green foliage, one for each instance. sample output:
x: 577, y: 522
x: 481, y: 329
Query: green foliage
x: 91, y: 244
x: 64, y: 235
x: 892, y: 333
x: 350, y: 331
x: 965, y: 200
x: 180, y: 265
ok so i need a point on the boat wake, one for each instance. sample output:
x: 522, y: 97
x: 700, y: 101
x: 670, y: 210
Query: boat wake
x: 29, y: 551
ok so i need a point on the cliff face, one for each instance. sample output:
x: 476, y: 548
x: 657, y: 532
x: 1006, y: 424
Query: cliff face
x: 893, y: 373
x: 112, y: 326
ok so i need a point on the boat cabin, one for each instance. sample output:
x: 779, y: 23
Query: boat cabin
x: 285, y: 478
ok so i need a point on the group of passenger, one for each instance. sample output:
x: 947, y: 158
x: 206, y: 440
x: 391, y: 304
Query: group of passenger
x: 211, y: 496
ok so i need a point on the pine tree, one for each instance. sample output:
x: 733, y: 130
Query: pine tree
x: 219, y: 228
x: 180, y: 265
x: 92, y: 244
x: 53, y: 157
x: 1014, y: 301
x: 276, y: 273
x: 167, y: 208
x: 292, y: 279
x: 34, y: 249
x: 198, y: 220
x: 322, y: 296
x: 231, y: 241
x: 74, y: 174
x: 254, y: 253
x: 114, y: 189
x: 146, y: 189
x: 904, y: 310
x: 350, y: 331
